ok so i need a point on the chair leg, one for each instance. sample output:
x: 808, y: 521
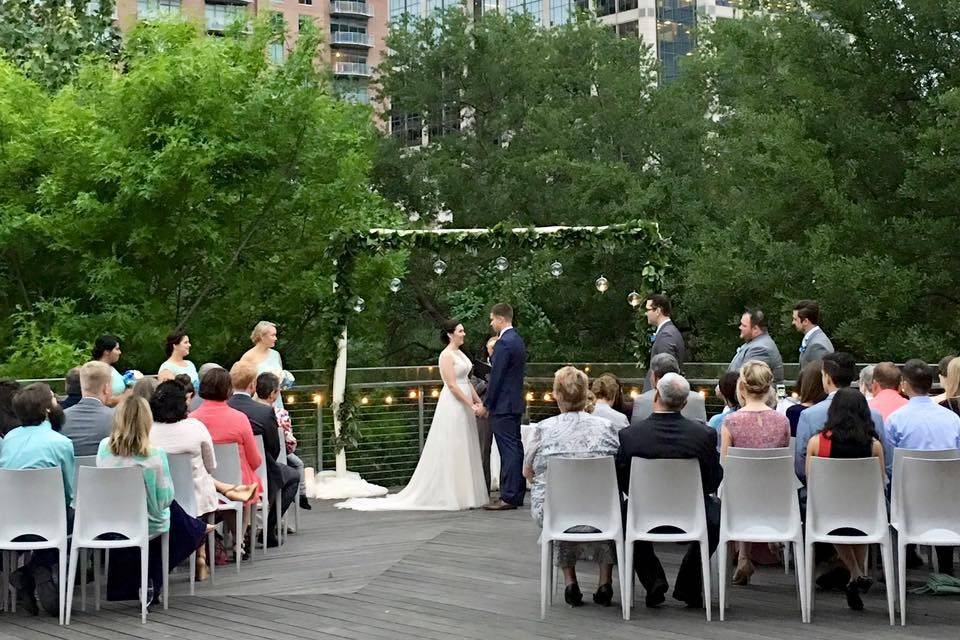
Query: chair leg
x: 705, y: 566
x: 97, y: 587
x: 722, y: 577
x: 902, y: 579
x: 886, y: 551
x: 144, y: 568
x: 71, y: 580
x: 5, y: 581
x: 165, y: 561
x: 621, y: 578
x: 627, y: 577
x: 808, y: 580
x: 786, y: 558
x: 211, y: 548
x: 934, y: 560
x: 278, y: 505
x: 800, y: 569
x: 238, y: 539
x: 546, y: 561
x: 83, y: 581
x: 62, y: 580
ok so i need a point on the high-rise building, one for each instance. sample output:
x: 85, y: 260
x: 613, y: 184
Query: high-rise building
x: 354, y: 30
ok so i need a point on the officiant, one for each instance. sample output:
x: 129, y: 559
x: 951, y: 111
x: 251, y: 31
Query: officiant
x: 480, y: 378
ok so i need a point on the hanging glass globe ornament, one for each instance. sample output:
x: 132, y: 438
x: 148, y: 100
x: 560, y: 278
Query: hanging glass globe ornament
x: 439, y: 267
x: 413, y: 217
x: 602, y: 284
x: 358, y: 304
x: 633, y: 299
x: 395, y: 285
x: 444, y: 216
x: 501, y: 264
x: 556, y: 269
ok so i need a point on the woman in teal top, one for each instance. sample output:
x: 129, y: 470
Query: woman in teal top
x: 129, y: 446
x: 178, y: 348
x: 107, y: 350
x: 265, y: 358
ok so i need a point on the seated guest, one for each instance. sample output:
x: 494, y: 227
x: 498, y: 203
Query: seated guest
x: 622, y: 403
x: 667, y: 434
x: 810, y: 383
x: 866, y: 382
x: 144, y: 388
x: 204, y: 368
x: 263, y: 420
x: 605, y: 389
x: 107, y: 350
x: 90, y: 420
x: 37, y: 445
x: 72, y: 384
x: 727, y: 391
x: 924, y: 425
x: 660, y: 365
x: 229, y: 426
x: 849, y: 433
x: 177, y: 347
x: 951, y: 387
x: 886, y: 389
x: 754, y: 426
x: 268, y: 388
x: 8, y: 417
x: 187, y: 385
x: 838, y: 372
x: 572, y: 434
x: 942, y: 369
x: 174, y: 432
x: 129, y: 446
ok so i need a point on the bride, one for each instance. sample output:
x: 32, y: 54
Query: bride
x: 449, y: 476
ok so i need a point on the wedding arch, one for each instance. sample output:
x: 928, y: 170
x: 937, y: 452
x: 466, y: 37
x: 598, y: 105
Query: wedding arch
x: 346, y: 246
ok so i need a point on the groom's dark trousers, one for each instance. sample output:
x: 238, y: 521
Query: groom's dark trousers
x: 506, y: 429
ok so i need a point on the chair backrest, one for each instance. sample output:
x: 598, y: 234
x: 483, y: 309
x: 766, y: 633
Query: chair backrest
x: 741, y: 452
x: 85, y: 461
x: 759, y: 494
x: 846, y: 492
x: 262, y: 469
x: 930, y: 489
x: 111, y: 500
x: 282, y: 455
x: 667, y: 492
x: 32, y: 501
x: 581, y: 491
x: 181, y: 472
x: 896, y: 486
x: 228, y: 463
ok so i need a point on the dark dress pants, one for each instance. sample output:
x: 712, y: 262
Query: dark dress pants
x: 506, y: 429
x: 486, y: 440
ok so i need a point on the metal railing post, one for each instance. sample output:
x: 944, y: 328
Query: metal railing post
x: 319, y: 437
x: 420, y: 416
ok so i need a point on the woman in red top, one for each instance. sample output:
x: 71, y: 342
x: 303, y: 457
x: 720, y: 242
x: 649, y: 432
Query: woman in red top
x: 228, y: 426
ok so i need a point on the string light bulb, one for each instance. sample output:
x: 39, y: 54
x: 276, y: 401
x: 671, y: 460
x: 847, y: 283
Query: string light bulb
x: 530, y: 396
x: 291, y: 399
x: 317, y: 398
x: 434, y: 393
x: 364, y: 400
x: 412, y: 395
x: 546, y: 397
x: 388, y: 399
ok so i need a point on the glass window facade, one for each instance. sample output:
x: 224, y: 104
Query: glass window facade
x: 626, y: 5
x: 605, y: 7
x: 532, y: 7
x: 147, y: 9
x: 676, y: 21
x: 561, y: 11
x: 221, y: 16
x: 401, y: 7
x: 407, y: 127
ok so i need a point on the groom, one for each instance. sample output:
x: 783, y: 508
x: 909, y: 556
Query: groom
x: 503, y: 404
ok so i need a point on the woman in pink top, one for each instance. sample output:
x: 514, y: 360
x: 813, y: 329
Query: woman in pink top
x: 754, y: 426
x: 228, y: 426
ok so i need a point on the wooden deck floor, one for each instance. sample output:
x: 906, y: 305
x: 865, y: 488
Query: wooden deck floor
x: 455, y: 575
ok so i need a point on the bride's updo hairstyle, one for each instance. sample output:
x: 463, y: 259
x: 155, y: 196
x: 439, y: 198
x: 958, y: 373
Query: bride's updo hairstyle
x: 570, y: 387
x: 448, y: 327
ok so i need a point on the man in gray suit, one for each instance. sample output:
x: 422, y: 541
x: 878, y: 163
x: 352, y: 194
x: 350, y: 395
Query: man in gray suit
x: 666, y: 338
x: 660, y: 365
x: 757, y: 344
x: 806, y: 320
x: 90, y: 420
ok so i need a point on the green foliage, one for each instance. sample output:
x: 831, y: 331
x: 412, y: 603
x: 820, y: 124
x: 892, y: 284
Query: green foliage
x: 197, y: 188
x: 49, y: 40
x: 37, y: 347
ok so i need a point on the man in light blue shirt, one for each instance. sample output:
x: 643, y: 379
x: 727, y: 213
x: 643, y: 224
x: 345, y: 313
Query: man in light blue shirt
x: 37, y: 445
x: 922, y: 424
x: 839, y: 371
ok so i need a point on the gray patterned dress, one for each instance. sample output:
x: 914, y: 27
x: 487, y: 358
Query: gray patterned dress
x: 570, y: 435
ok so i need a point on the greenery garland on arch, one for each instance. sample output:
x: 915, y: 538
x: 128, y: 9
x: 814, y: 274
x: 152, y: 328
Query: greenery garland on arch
x: 346, y: 246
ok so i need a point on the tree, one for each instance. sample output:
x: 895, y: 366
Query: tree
x: 49, y: 40
x: 197, y: 188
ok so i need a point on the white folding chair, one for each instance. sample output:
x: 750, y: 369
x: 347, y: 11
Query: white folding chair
x: 760, y: 504
x: 261, y: 508
x: 896, y: 487
x: 114, y: 501
x: 929, y: 511
x: 181, y: 471
x: 847, y: 493
x: 662, y: 493
x: 33, y: 503
x: 282, y: 459
x: 228, y: 471
x: 580, y: 492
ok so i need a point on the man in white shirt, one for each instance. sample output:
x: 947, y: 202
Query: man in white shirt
x: 806, y: 320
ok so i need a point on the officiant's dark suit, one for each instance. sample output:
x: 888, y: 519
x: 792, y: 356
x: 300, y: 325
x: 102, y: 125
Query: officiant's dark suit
x: 668, y: 435
x: 504, y: 402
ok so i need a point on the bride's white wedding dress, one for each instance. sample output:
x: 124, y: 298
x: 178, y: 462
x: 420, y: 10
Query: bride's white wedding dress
x: 449, y: 475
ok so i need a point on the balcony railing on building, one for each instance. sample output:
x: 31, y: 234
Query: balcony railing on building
x: 360, y: 69
x: 351, y: 38
x: 351, y: 8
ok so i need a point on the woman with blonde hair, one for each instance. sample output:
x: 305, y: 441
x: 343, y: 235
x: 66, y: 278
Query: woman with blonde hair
x: 572, y: 434
x: 755, y: 426
x: 265, y: 358
x: 951, y: 387
x: 129, y: 446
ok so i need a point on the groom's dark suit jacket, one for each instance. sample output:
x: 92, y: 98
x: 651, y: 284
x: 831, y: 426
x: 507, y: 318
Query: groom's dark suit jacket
x: 509, y: 360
